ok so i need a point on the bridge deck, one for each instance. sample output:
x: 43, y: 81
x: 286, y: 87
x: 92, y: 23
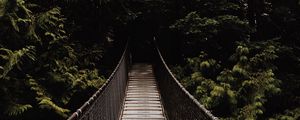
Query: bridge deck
x: 142, y: 99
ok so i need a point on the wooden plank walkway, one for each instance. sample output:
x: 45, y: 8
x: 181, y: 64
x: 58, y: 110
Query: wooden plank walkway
x: 142, y: 101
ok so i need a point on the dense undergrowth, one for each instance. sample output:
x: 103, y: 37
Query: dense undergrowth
x: 239, y: 58
x: 51, y: 56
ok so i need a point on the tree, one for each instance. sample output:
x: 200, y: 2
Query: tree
x: 40, y: 71
x: 227, y: 79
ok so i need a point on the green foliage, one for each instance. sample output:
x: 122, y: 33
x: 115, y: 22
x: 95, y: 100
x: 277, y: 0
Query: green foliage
x: 289, y: 115
x: 42, y: 71
x: 200, y: 32
x: 17, y: 109
x: 249, y: 46
x: 240, y: 91
x: 46, y: 103
x: 241, y: 57
x: 2, y: 7
x: 13, y: 58
x: 194, y: 24
x: 17, y: 23
x: 206, y: 28
x: 52, y: 23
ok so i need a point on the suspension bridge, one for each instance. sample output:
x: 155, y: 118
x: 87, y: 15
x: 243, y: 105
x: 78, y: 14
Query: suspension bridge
x: 142, y: 91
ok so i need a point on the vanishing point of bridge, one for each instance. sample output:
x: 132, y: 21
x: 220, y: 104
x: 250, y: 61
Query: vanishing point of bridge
x: 142, y: 92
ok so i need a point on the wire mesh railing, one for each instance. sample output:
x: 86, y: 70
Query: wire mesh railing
x: 106, y: 103
x: 178, y: 103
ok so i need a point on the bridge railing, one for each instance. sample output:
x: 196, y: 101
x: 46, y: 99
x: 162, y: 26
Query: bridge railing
x: 106, y: 103
x: 178, y: 103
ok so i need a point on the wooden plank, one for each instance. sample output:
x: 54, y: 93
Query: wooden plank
x: 141, y: 91
x: 142, y: 78
x: 143, y: 108
x: 142, y: 116
x: 142, y: 83
x: 144, y: 105
x: 146, y: 93
x: 142, y: 86
x: 142, y: 101
x: 142, y: 96
x: 142, y: 112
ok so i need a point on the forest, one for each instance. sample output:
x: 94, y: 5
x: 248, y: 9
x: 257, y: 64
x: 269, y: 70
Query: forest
x: 238, y: 58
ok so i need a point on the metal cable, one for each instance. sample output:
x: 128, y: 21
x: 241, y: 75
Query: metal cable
x: 178, y: 103
x: 106, y: 103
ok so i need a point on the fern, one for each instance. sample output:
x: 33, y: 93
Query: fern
x: 48, y: 19
x: 21, y: 4
x: 293, y: 114
x: 44, y: 101
x: 13, y: 58
x: 241, y: 88
x: 17, y: 109
x: 2, y: 7
x: 53, y: 74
